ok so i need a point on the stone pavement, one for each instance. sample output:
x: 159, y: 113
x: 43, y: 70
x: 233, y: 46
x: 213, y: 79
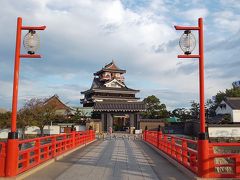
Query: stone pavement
x: 120, y: 158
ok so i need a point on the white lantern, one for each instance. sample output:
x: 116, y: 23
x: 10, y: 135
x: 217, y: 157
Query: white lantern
x: 187, y: 42
x: 31, y: 42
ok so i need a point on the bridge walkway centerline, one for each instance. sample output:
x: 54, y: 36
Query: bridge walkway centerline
x: 113, y: 158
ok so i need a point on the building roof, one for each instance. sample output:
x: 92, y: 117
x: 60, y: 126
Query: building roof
x: 119, y: 106
x: 57, y: 103
x: 173, y: 119
x: 233, y: 102
x: 153, y: 120
x: 98, y: 86
x: 111, y: 67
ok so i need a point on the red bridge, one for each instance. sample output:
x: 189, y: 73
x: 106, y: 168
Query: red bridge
x: 120, y: 157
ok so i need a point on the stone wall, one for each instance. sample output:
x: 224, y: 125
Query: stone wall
x: 192, y: 128
x: 96, y: 124
x: 151, y: 124
x: 33, y: 130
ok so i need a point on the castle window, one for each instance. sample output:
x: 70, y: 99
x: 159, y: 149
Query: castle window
x: 222, y: 106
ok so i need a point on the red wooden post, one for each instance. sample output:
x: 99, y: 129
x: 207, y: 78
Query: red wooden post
x: 90, y: 135
x: 165, y: 144
x: 81, y: 137
x: 169, y: 145
x: 73, y: 138
x: 38, y: 151
x: 53, y: 146
x: 65, y: 142
x: 158, y: 139
x: 184, y: 152
x: 27, y: 157
x: 173, y: 147
x: 85, y: 137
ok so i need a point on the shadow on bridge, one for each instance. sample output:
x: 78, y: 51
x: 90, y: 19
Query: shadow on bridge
x: 118, y: 158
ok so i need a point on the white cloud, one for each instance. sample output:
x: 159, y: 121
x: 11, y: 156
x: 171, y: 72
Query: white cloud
x: 227, y: 21
x: 194, y: 14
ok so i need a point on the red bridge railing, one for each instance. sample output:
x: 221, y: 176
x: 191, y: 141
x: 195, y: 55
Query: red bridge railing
x: 33, y: 152
x: 223, y: 162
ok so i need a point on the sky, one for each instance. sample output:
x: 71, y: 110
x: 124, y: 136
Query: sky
x: 84, y: 35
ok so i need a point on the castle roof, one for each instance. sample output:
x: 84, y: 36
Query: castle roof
x: 119, y: 106
x: 98, y: 86
x: 111, y: 67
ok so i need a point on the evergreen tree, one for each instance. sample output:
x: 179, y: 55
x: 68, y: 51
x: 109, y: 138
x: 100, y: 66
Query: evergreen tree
x: 182, y: 113
x: 155, y: 109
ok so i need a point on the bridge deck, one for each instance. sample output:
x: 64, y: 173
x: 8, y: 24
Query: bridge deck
x: 109, y: 160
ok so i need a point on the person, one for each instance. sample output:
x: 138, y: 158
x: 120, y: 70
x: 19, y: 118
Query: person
x: 73, y: 128
x: 110, y: 132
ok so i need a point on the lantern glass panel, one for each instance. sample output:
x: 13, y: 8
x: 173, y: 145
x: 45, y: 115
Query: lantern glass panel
x: 187, y: 42
x: 31, y: 42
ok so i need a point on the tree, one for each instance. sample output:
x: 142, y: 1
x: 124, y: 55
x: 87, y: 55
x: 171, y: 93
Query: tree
x: 182, y: 113
x: 211, y: 107
x: 154, y: 108
x: 5, y: 120
x: 219, y: 97
x: 40, y: 113
x: 77, y: 115
x: 195, y: 109
x: 232, y: 92
x: 80, y: 116
x: 23, y: 120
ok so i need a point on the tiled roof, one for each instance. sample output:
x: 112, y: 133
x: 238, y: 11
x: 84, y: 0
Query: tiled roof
x: 112, y: 67
x: 98, y: 85
x: 57, y: 103
x: 173, y: 119
x: 233, y: 102
x: 119, y: 106
x: 152, y: 120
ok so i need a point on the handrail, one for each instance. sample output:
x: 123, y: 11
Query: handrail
x: 33, y: 152
x: 221, y: 164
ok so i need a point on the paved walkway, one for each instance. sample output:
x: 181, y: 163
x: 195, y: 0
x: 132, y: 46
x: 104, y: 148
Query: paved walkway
x: 110, y: 160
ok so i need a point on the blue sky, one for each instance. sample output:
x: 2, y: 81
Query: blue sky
x: 83, y: 35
